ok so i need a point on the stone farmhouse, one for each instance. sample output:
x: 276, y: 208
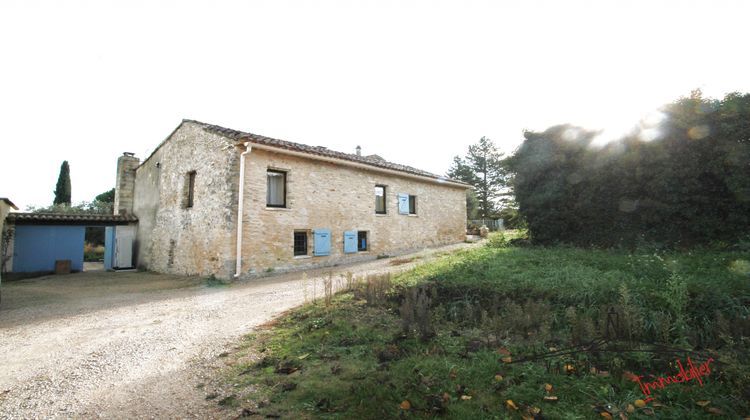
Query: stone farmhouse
x: 211, y: 200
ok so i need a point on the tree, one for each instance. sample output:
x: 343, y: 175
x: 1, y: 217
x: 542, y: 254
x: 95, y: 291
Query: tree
x: 483, y: 167
x: 512, y: 218
x: 106, y: 197
x: 102, y: 204
x: 472, y: 205
x: 84, y: 207
x: 62, y: 190
x: 462, y: 171
x: 686, y: 185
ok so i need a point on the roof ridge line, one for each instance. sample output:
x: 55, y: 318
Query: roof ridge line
x: 236, y: 135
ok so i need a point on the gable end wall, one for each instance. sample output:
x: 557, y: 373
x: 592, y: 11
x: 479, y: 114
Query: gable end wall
x: 189, y: 241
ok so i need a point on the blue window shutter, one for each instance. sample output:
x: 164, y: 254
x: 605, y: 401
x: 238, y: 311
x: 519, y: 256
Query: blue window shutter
x: 350, y: 241
x: 403, y: 204
x: 322, y: 242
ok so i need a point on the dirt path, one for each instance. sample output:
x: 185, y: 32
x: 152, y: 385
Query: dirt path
x: 135, y: 345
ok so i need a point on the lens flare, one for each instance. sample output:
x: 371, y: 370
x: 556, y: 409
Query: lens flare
x: 699, y: 132
x: 571, y: 134
x: 649, y: 134
x: 653, y: 119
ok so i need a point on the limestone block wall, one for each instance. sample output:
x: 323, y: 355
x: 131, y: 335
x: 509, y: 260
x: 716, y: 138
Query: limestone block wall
x: 325, y: 195
x: 4, y: 210
x: 125, y: 183
x: 9, y: 233
x: 175, y: 238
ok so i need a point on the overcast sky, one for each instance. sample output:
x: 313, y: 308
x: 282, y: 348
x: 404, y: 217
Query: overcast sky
x: 415, y: 82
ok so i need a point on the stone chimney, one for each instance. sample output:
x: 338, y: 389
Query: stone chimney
x: 125, y: 184
x: 359, y: 151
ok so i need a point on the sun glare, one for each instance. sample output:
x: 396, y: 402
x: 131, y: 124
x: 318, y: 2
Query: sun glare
x: 613, y: 131
x: 653, y: 119
x: 646, y: 127
x: 649, y: 134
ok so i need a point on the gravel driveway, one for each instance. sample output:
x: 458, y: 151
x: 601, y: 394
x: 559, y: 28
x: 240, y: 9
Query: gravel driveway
x: 134, y: 344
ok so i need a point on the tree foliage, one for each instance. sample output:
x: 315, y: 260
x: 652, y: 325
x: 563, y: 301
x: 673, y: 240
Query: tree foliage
x: 63, y: 189
x: 90, y: 207
x: 106, y: 197
x: 102, y: 204
x: 682, y: 181
x: 512, y: 218
x: 483, y: 168
x: 472, y: 205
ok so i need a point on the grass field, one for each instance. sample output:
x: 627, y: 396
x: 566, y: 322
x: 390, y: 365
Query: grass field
x: 453, y: 338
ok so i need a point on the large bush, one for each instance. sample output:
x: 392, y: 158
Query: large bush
x: 683, y: 181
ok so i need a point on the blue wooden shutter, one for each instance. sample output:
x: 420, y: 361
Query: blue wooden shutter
x: 350, y: 241
x: 403, y: 204
x: 322, y: 242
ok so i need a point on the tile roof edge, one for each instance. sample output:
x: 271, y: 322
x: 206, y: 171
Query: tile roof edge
x: 163, y: 142
x: 10, y: 203
x: 245, y: 136
x: 17, y: 215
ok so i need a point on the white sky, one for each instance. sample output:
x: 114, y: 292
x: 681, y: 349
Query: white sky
x: 415, y: 82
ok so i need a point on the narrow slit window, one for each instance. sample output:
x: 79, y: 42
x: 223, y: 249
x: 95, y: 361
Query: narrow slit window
x: 380, y: 199
x: 362, y: 241
x: 190, y: 189
x: 300, y: 243
x: 412, y: 204
x: 276, y: 188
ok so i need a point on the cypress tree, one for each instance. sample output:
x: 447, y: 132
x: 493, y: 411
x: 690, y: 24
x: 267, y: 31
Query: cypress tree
x: 62, y: 190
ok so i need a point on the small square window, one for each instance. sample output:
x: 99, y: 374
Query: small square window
x: 380, y: 199
x: 275, y: 188
x: 300, y: 243
x: 412, y: 204
x: 190, y: 193
x: 362, y: 241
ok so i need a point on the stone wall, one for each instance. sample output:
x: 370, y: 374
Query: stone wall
x: 174, y: 238
x: 4, y: 210
x: 341, y: 198
x: 125, y: 183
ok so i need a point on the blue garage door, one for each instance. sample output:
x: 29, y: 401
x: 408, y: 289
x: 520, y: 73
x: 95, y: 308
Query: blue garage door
x: 36, y: 248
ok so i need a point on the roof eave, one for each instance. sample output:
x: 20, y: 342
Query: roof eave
x: 70, y: 219
x: 9, y: 203
x: 362, y: 165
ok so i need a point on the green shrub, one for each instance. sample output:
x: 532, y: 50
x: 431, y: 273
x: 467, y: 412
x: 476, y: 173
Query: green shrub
x: 93, y: 253
x: 497, y: 240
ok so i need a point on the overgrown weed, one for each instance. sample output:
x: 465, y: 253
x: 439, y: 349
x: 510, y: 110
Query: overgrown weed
x: 438, y: 336
x: 212, y: 281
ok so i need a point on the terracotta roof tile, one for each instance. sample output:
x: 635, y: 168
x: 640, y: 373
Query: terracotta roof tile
x: 372, y: 160
x: 69, y: 218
